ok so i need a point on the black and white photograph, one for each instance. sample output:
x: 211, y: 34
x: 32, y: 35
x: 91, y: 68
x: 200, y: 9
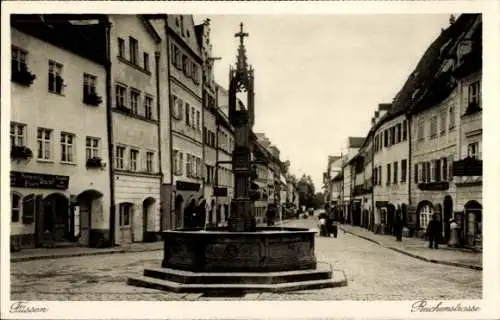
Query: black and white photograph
x: 220, y: 155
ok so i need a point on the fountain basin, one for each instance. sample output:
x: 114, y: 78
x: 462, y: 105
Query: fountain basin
x: 269, y: 249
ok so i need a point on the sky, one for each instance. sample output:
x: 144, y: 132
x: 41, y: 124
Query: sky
x: 319, y: 78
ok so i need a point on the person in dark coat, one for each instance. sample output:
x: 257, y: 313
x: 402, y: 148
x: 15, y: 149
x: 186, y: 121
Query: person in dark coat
x: 398, y: 227
x: 433, y: 232
x: 270, y: 216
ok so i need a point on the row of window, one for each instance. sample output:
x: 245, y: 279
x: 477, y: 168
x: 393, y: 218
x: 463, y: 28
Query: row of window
x: 56, y: 82
x: 130, y: 99
x: 184, y: 63
x: 190, y: 114
x: 45, y: 143
x: 434, y: 171
x: 133, y: 58
x: 391, y: 170
x: 129, y: 158
x: 193, y: 165
x: 391, y: 136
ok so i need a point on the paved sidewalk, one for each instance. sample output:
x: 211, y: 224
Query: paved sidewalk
x: 418, y: 248
x: 56, y: 253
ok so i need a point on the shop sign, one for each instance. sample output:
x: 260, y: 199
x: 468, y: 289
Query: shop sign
x: 38, y: 180
x: 434, y: 186
x: 380, y: 204
x: 220, y: 192
x: 468, y: 167
x: 187, y: 186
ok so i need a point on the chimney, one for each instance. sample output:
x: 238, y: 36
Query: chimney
x: 452, y: 19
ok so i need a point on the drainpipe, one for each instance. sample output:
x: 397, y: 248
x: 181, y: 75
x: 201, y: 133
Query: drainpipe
x: 410, y: 165
x: 172, y: 193
x: 158, y: 106
x: 109, y: 120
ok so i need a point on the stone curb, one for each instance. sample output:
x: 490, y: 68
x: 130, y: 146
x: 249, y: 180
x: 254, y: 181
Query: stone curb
x: 80, y: 254
x: 455, y: 264
x: 90, y: 253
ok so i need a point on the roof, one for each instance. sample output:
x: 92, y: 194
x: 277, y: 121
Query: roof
x: 85, y: 40
x: 424, y: 72
x: 356, y: 142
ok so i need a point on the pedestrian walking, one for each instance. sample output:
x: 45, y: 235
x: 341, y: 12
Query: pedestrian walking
x: 332, y: 223
x: 398, y: 227
x: 454, y: 240
x: 433, y: 232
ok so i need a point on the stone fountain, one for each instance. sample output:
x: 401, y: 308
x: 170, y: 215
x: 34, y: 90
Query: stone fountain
x: 241, y: 257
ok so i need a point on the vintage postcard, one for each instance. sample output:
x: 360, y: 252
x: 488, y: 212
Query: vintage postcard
x: 250, y: 159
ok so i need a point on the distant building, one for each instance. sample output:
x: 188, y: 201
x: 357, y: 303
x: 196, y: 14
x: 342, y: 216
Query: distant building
x: 350, y: 151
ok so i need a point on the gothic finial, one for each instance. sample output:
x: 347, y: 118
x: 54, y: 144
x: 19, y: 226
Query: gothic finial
x: 241, y: 63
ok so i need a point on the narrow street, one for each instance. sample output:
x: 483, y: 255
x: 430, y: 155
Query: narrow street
x: 373, y: 273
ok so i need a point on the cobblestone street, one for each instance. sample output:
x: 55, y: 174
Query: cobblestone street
x: 373, y: 272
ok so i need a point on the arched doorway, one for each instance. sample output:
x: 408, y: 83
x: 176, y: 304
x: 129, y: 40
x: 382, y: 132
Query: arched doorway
x: 179, y: 200
x: 89, y: 202
x: 425, y: 210
x: 447, y: 215
x: 473, y: 222
x: 56, y: 218
x: 147, y: 215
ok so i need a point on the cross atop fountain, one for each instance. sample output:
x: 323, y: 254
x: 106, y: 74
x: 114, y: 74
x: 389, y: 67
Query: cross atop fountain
x: 241, y: 34
x: 241, y: 61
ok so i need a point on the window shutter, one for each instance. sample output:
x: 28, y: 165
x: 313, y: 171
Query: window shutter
x: 415, y: 173
x: 444, y: 168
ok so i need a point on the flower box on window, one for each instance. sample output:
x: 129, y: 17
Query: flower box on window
x: 94, y: 162
x: 21, y: 153
x: 123, y: 108
x: 22, y: 76
x: 92, y: 99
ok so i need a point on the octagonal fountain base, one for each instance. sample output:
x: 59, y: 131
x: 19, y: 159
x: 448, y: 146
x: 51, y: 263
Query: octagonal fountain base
x: 270, y: 259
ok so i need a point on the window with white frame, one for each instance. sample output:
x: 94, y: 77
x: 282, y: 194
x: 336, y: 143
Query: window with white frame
x: 44, y: 139
x: 188, y: 114
x: 121, y: 96
x: 189, y: 165
x: 451, y: 123
x: 426, y: 213
x: 420, y: 130
x: 450, y: 167
x: 125, y: 214
x: 473, y: 150
x: 444, y: 169
x: 146, y: 61
x: 15, y: 207
x: 404, y: 169
x: 19, y: 60
x: 121, y: 48
x: 120, y: 157
x: 149, y: 162
x: 434, y: 126
x: 185, y: 65
x: 134, y: 154
x: 17, y: 134
x: 395, y: 178
x: 475, y: 94
x: 178, y: 162
x: 405, y: 130
x: 56, y: 81
x: 198, y: 168
x: 89, y: 84
x: 67, y: 140
x: 148, y: 107
x: 91, y: 147
x: 134, y: 50
x: 193, y: 115
x: 134, y: 101
x: 442, y: 126
x: 198, y: 117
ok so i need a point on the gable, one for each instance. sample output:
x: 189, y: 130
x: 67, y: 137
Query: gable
x: 183, y: 27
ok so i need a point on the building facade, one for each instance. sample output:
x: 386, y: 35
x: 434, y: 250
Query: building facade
x: 225, y: 147
x: 134, y: 44
x: 59, y: 175
x: 186, y: 105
